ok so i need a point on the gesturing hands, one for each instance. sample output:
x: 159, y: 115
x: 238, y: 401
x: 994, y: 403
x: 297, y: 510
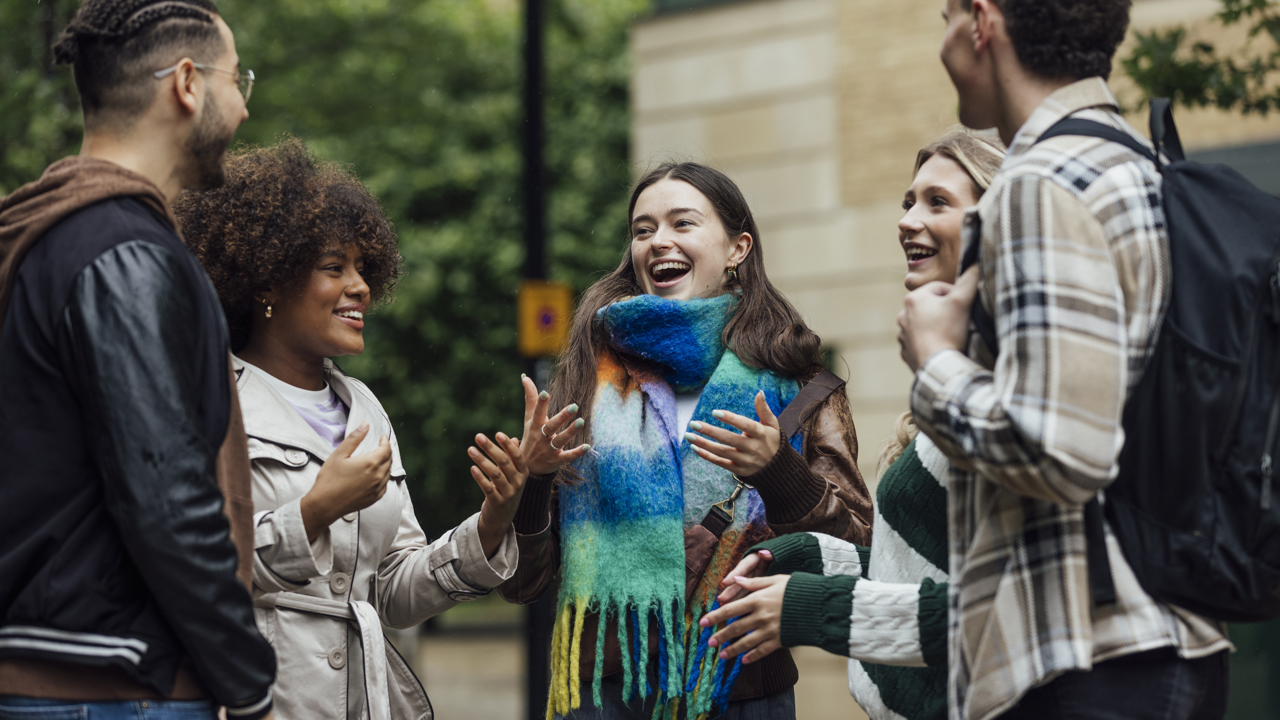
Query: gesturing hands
x: 546, y: 441
x: 741, y: 454
x: 346, y: 484
x: 935, y: 317
x: 500, y: 471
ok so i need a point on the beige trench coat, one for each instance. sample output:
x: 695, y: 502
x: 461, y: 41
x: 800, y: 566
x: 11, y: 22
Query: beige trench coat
x: 322, y: 604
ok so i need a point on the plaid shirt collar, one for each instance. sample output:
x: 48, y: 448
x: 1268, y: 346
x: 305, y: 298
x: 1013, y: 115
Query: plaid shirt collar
x: 1063, y: 102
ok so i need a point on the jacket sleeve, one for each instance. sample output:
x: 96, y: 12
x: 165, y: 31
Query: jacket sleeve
x: 822, y: 491
x: 417, y: 579
x: 129, y: 335
x: 283, y: 558
x: 538, y: 540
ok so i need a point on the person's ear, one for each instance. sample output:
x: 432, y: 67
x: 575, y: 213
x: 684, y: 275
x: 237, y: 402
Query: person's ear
x: 741, y: 249
x: 986, y: 17
x: 186, y: 87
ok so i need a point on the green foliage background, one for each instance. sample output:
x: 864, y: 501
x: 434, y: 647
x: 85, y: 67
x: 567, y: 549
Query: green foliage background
x: 422, y: 99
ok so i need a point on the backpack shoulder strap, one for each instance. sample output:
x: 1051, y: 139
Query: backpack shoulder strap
x: 806, y: 402
x: 1089, y: 128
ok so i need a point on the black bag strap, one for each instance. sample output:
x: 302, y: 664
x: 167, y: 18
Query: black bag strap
x: 794, y: 415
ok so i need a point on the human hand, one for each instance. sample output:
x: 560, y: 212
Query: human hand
x: 346, y: 484
x: 753, y: 565
x: 741, y: 454
x: 545, y: 440
x: 501, y: 473
x: 758, y: 627
x: 935, y: 317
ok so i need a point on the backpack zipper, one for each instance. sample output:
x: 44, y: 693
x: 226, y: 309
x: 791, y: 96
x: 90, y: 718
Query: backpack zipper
x: 1242, y: 386
x: 1266, y: 464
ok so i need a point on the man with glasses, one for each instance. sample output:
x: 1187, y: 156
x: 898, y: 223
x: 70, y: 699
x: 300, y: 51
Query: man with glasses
x: 126, y: 538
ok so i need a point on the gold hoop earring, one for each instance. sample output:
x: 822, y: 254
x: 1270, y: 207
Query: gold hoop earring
x: 264, y: 302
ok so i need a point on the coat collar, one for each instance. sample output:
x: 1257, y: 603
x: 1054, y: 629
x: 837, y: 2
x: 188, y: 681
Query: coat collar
x: 269, y: 417
x: 1087, y: 93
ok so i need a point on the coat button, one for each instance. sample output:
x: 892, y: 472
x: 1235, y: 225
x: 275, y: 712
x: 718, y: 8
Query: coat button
x: 339, y: 583
x: 349, y: 517
x: 337, y: 658
x: 295, y: 457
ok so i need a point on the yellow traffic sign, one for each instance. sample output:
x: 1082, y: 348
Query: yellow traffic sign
x: 545, y: 310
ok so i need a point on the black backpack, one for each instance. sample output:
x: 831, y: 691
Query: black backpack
x: 1194, y: 505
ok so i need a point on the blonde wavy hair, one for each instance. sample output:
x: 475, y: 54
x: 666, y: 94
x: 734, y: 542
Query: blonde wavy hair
x: 979, y: 154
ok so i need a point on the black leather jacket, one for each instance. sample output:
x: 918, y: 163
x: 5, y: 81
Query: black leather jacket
x: 114, y: 400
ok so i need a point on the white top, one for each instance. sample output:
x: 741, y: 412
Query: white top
x: 686, y: 403
x: 322, y: 409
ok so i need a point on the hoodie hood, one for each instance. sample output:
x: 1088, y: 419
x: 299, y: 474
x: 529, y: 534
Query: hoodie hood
x: 67, y: 186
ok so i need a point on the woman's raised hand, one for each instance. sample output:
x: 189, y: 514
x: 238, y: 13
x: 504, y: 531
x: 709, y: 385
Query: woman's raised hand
x: 546, y: 441
x: 501, y: 473
x: 346, y: 483
x: 745, y: 453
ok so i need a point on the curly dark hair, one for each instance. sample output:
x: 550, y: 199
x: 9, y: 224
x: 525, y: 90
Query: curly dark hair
x: 114, y: 46
x: 1060, y: 39
x: 279, y: 211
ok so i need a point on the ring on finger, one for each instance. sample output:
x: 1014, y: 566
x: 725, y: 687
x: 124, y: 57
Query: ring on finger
x: 552, y: 435
x: 551, y: 442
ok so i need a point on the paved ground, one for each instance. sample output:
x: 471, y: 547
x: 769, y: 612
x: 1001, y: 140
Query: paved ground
x: 482, y: 678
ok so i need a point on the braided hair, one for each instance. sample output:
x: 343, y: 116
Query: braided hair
x: 114, y: 46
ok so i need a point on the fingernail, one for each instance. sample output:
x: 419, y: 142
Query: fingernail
x: 543, y: 395
x: 572, y: 408
x: 713, y: 642
x: 717, y: 414
x: 587, y: 448
x: 724, y: 655
x: 703, y: 622
x: 695, y: 425
x: 523, y: 376
x: 579, y: 423
x: 690, y: 437
x: 766, y: 554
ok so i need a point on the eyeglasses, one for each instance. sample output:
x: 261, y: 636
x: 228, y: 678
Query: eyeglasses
x: 244, y: 80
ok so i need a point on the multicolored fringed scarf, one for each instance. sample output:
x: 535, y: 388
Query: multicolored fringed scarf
x: 622, y: 528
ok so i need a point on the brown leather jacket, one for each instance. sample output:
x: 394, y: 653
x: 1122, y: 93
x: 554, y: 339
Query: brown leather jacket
x: 818, y: 490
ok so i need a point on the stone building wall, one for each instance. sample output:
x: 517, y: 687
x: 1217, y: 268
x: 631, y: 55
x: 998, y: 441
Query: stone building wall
x: 817, y: 109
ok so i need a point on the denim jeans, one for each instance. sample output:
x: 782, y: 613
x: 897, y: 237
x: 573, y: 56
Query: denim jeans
x: 780, y: 706
x: 21, y: 708
x: 1153, y: 685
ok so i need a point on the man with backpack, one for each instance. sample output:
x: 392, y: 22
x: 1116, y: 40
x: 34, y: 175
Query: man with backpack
x: 1073, y: 267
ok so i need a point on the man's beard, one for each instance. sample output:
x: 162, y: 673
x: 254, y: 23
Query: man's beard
x: 207, y: 148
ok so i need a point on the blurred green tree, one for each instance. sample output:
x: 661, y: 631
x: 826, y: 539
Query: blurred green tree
x: 422, y: 99
x: 39, y: 109
x: 1165, y: 63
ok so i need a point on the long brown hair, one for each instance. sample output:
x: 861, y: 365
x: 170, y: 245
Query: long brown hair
x: 766, y: 331
x: 980, y: 156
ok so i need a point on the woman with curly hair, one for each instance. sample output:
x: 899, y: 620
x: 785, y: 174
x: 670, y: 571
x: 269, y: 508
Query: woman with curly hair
x: 687, y: 332
x: 299, y: 251
x: 889, y: 600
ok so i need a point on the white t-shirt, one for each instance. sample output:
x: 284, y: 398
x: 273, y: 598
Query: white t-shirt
x: 686, y: 404
x: 323, y: 410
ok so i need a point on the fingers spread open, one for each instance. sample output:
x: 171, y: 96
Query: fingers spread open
x: 485, y: 464
x: 719, y: 434
x: 748, y: 426
x: 512, y: 447
x: 764, y: 412
x: 486, y: 485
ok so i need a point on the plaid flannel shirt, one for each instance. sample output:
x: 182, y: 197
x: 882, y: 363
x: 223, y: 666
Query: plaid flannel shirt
x: 1075, y: 272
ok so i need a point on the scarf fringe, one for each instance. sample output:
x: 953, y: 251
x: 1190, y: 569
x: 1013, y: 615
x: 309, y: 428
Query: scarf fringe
x: 681, y: 645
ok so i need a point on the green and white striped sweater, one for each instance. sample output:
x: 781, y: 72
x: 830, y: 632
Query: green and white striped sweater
x: 884, y: 607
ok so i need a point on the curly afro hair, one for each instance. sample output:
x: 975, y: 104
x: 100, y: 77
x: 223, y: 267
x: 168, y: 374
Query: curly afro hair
x: 279, y: 211
x: 1061, y: 39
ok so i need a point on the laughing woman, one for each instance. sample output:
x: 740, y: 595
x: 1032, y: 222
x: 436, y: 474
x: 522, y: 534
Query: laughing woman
x: 894, y: 626
x: 642, y: 524
x: 299, y: 251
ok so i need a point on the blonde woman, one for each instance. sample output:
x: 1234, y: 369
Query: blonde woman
x: 900, y: 672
